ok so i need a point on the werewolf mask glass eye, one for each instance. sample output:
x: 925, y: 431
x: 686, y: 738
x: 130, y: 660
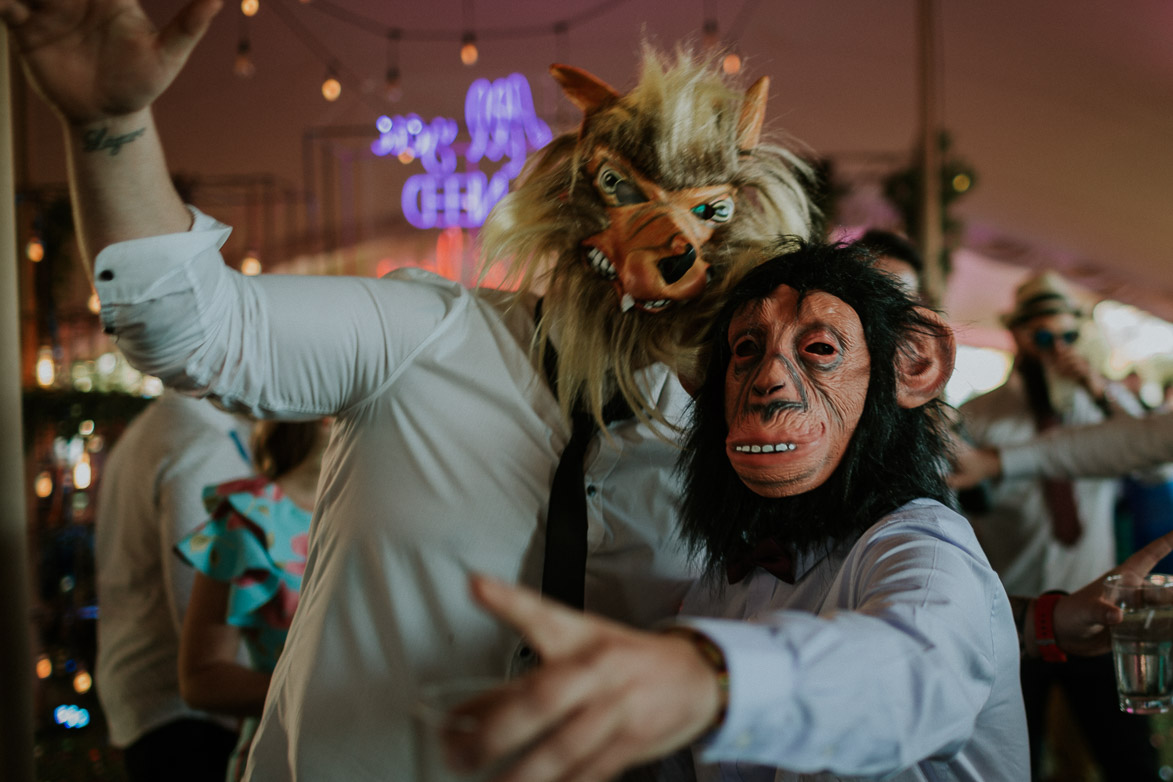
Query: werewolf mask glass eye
x: 652, y: 251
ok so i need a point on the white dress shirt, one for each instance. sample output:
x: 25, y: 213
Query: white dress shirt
x: 149, y: 498
x: 440, y: 464
x: 895, y: 657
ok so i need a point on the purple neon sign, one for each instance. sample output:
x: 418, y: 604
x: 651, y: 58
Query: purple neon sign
x: 502, y: 127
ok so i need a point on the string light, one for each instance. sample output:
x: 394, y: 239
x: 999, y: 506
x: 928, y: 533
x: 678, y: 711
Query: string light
x: 94, y: 304
x: 250, y: 7
x: 469, y: 52
x: 331, y: 87
x: 35, y: 250
x: 44, y: 667
x: 468, y: 49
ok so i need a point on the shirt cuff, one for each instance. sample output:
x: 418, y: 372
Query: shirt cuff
x: 151, y: 267
x: 761, y: 687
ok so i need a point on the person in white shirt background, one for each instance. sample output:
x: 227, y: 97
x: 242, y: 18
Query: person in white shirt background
x: 148, y: 501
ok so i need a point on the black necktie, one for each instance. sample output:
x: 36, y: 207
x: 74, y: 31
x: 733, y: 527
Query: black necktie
x: 564, y: 569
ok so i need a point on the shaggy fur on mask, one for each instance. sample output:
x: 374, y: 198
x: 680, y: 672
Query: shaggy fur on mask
x: 895, y: 455
x: 678, y: 127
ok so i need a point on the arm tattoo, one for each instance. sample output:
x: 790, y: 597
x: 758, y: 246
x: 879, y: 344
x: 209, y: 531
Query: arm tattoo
x: 97, y: 140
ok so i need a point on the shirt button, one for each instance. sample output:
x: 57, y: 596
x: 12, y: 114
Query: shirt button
x: 592, y: 490
x: 744, y: 740
x: 106, y: 275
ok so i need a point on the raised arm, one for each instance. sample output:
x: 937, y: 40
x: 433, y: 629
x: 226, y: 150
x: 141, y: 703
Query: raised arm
x: 100, y: 64
x: 1114, y: 447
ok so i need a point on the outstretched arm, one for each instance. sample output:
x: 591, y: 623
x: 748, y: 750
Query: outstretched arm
x: 1114, y: 447
x: 605, y: 697
x: 100, y: 64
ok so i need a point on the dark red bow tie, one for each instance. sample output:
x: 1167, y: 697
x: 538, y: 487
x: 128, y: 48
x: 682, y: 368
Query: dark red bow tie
x: 769, y: 555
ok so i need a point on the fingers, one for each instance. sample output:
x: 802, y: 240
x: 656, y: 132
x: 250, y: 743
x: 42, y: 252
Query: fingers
x: 180, y: 36
x: 552, y: 629
x: 517, y: 714
x: 1146, y: 559
x: 581, y: 749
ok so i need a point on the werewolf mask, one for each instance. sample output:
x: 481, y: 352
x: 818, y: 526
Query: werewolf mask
x: 638, y: 224
x: 817, y: 415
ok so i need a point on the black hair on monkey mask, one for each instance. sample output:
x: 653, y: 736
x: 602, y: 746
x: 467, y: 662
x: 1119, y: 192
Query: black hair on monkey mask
x: 640, y: 222
x: 815, y: 419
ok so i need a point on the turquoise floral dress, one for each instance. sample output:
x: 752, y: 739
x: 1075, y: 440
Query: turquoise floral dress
x: 255, y: 539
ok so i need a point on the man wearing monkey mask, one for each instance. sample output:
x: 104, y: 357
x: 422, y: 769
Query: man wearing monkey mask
x: 854, y: 626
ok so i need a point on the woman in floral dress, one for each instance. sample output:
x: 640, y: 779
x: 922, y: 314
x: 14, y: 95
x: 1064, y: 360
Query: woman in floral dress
x: 249, y: 557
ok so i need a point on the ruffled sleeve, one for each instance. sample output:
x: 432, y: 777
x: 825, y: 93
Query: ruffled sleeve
x: 236, y: 545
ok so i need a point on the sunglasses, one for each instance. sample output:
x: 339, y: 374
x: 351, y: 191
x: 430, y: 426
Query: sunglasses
x: 1046, y: 339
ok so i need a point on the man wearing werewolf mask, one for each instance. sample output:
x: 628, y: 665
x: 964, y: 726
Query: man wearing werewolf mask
x: 850, y: 624
x: 448, y: 432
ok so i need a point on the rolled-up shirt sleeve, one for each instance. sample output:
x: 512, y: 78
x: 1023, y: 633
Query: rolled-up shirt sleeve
x: 899, y: 676
x: 271, y: 345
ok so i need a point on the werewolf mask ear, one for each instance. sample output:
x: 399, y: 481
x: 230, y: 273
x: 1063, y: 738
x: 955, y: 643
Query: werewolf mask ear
x: 753, y: 115
x: 925, y: 362
x: 584, y: 90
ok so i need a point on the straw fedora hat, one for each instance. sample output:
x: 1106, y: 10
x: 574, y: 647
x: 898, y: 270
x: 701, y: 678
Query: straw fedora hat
x: 1045, y: 293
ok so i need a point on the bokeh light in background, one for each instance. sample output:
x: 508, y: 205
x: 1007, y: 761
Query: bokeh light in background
x: 976, y: 371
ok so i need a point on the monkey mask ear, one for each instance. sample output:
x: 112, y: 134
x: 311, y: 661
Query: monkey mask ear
x: 924, y: 362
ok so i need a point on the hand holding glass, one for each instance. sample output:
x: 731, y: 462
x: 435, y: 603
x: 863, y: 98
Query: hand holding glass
x: 1142, y: 644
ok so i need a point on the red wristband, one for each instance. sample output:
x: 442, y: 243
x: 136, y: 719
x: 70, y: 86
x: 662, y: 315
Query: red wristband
x: 1045, y: 627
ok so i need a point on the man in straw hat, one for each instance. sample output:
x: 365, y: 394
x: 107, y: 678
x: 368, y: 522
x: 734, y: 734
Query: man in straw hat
x: 1043, y: 535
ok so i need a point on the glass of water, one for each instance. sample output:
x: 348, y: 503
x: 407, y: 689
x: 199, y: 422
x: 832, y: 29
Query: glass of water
x: 1142, y: 645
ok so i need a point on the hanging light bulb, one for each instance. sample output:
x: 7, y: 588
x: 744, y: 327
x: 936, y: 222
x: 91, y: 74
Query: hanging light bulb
x: 243, y: 65
x: 251, y: 265
x: 46, y: 367
x: 468, y: 49
x: 250, y: 7
x: 35, y: 250
x: 709, y: 36
x: 391, y: 87
x: 732, y: 63
x: 331, y: 87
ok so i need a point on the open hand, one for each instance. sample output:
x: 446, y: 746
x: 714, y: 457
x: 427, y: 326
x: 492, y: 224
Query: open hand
x: 94, y: 60
x: 604, y: 698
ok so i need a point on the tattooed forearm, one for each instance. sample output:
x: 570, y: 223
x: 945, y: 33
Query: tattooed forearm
x: 98, y: 140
